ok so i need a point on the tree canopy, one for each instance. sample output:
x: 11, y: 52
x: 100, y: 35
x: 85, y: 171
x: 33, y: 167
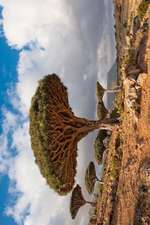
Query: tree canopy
x: 77, y: 200
x: 101, y: 110
x: 99, y: 146
x: 90, y: 177
x: 100, y: 90
x: 55, y: 132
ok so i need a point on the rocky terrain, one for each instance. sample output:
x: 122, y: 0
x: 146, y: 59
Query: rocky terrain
x: 124, y: 197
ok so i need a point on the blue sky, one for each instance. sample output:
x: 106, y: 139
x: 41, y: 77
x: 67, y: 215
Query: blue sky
x: 8, y: 73
x: 4, y: 199
x: 74, y: 39
x: 8, y: 77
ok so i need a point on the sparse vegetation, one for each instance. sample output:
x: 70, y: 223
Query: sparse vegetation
x: 143, y: 8
x: 115, y: 163
x: 118, y: 106
x: 115, y: 113
x: 142, y: 215
x: 129, y: 142
x: 148, y: 114
x: 113, y: 169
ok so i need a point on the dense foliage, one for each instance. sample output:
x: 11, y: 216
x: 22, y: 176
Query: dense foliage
x: 45, y: 131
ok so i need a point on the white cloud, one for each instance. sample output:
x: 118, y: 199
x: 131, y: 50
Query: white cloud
x: 9, y: 122
x: 63, y: 37
x: 28, y: 21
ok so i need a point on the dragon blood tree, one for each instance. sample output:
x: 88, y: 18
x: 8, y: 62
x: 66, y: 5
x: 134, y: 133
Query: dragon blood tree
x: 99, y: 146
x: 90, y: 177
x: 77, y: 200
x: 102, y: 112
x: 100, y: 90
x: 55, y: 132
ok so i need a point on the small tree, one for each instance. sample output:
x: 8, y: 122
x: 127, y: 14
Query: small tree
x: 55, y: 132
x: 102, y: 112
x: 99, y: 146
x: 90, y: 177
x: 77, y: 200
x: 100, y: 90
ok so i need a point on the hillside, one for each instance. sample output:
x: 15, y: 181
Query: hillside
x: 125, y: 195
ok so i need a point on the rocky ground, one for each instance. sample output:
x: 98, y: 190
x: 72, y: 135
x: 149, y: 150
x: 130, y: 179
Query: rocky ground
x: 125, y: 196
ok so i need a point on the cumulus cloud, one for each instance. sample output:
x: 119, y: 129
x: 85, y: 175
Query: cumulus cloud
x: 33, y: 19
x: 72, y: 39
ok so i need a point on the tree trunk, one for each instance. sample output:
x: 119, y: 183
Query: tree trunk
x: 113, y: 90
x: 84, y: 126
x: 91, y: 203
x: 99, y: 180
